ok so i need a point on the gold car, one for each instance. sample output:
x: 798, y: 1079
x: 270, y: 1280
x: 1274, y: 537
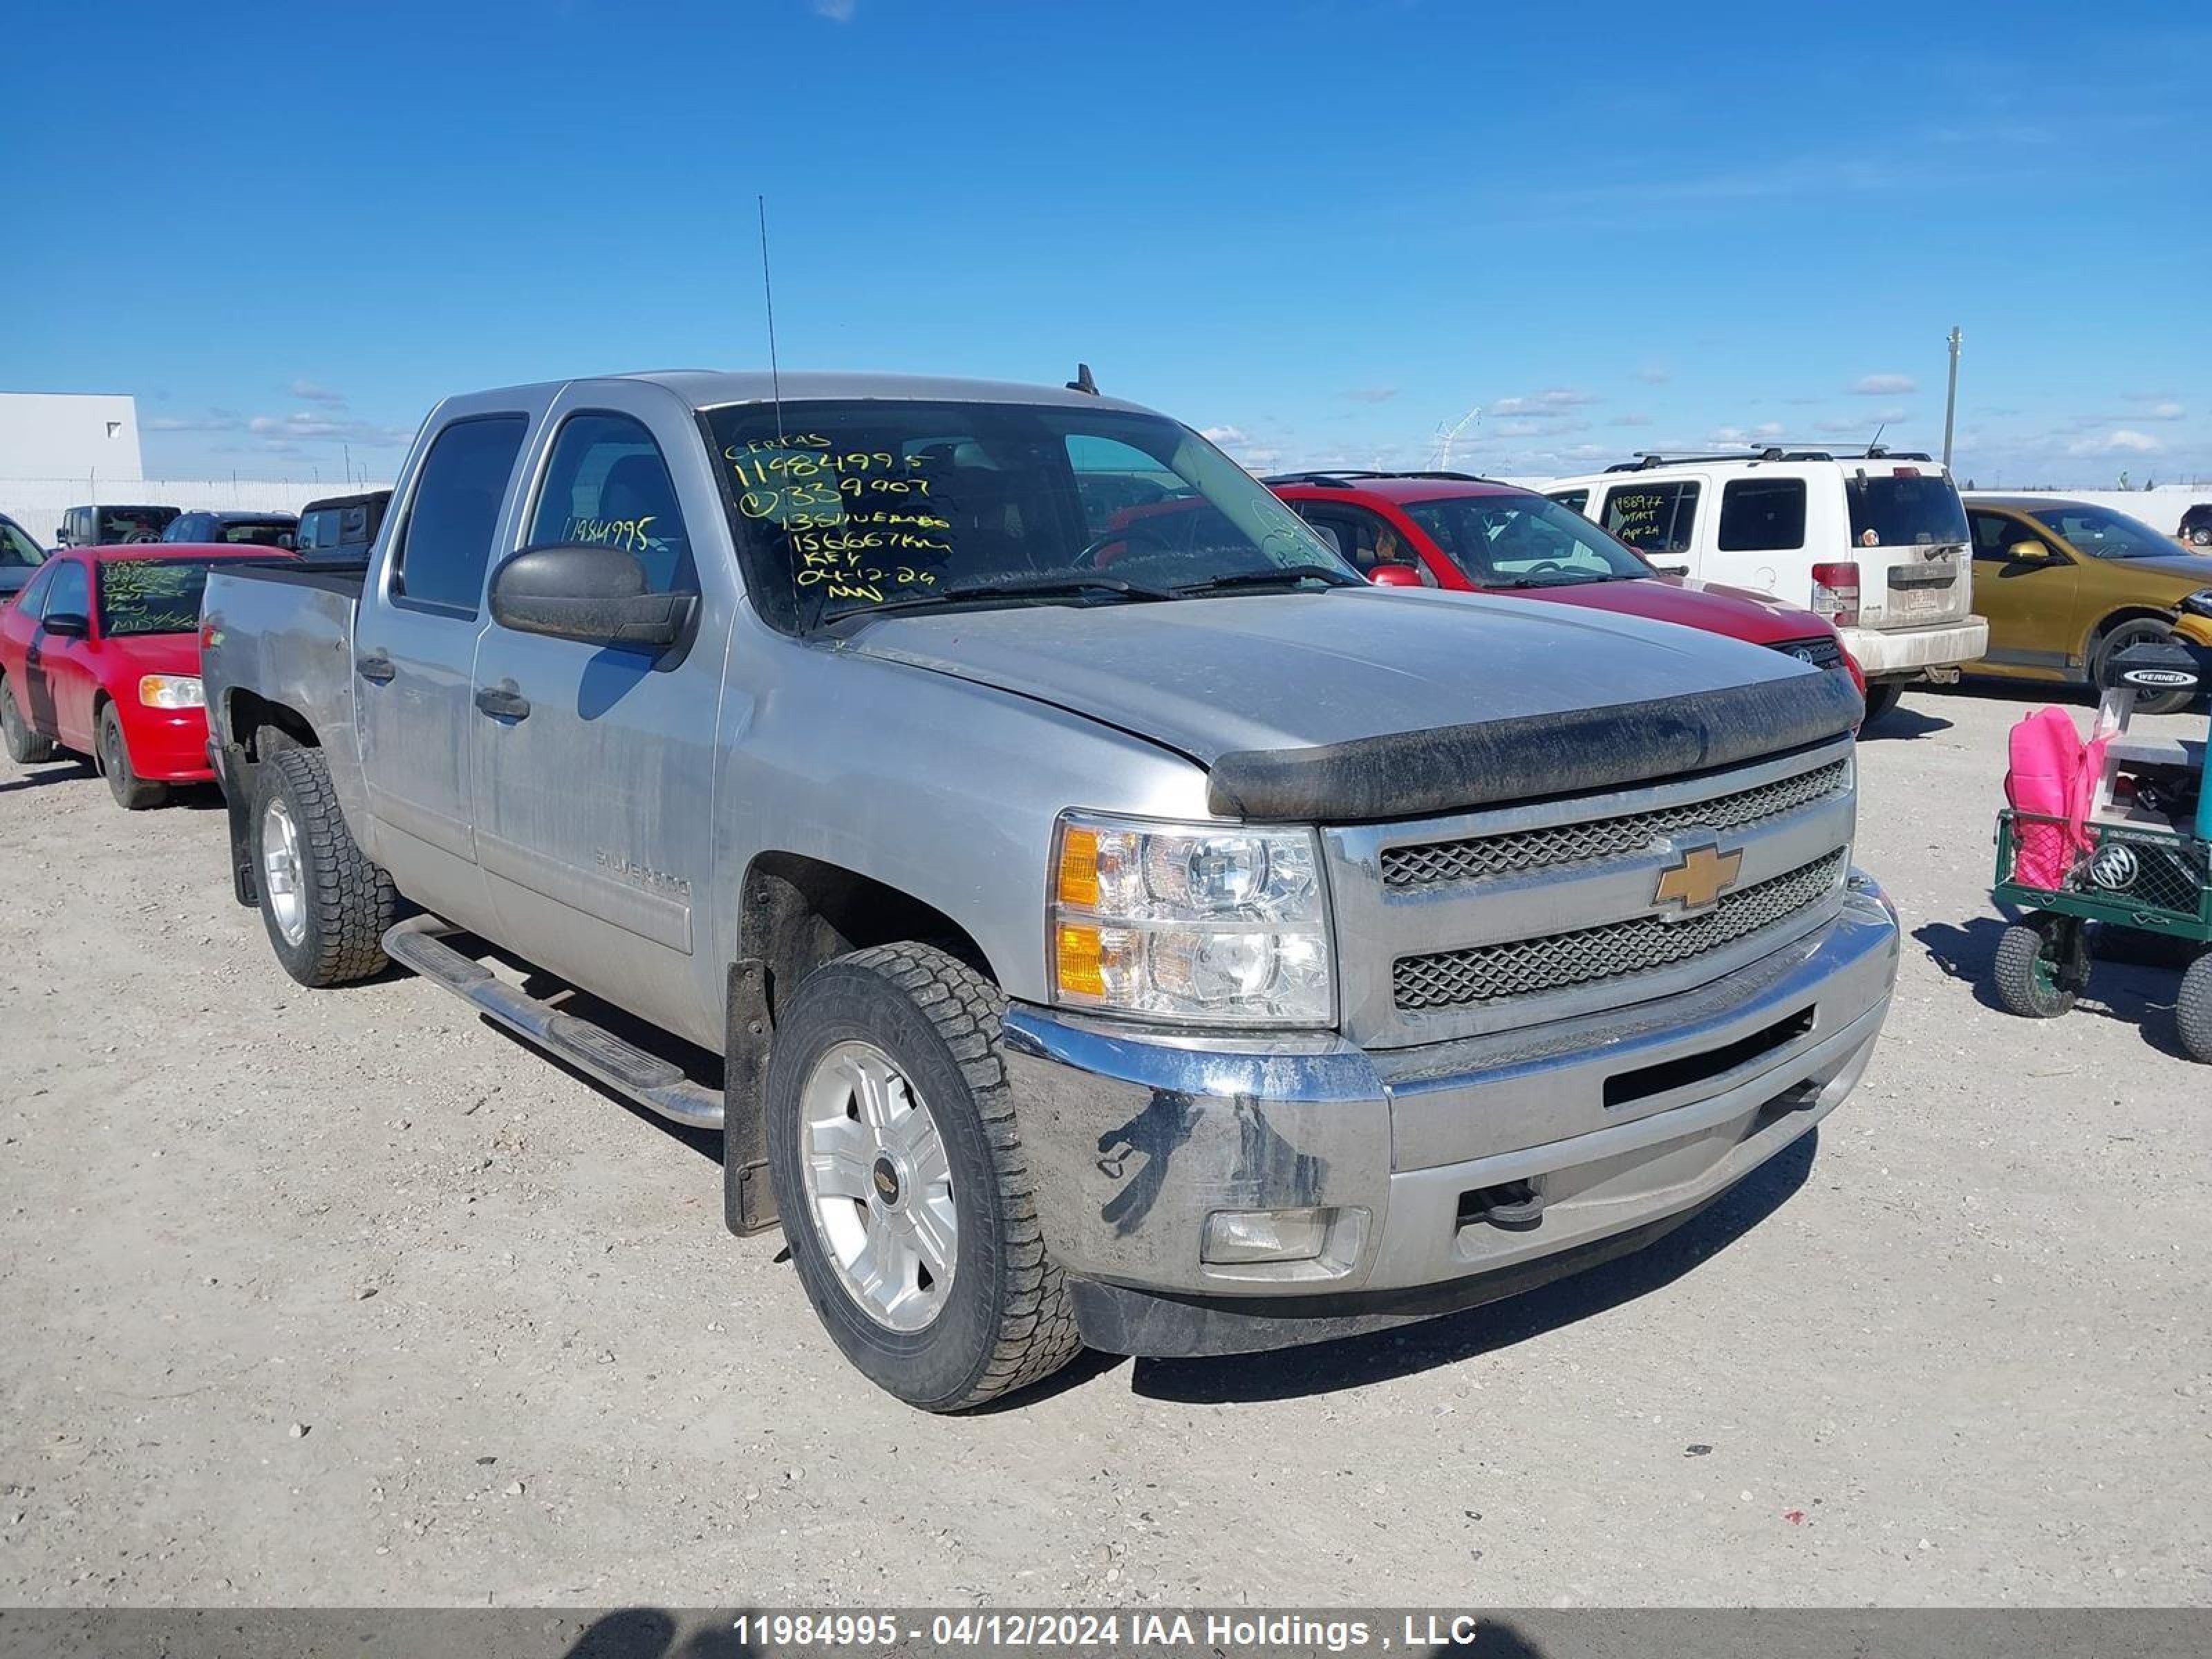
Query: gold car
x: 2066, y: 584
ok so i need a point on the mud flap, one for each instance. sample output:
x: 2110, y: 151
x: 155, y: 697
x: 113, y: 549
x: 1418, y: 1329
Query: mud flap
x: 748, y: 1200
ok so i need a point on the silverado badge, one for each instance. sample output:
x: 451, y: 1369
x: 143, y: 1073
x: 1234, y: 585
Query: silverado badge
x: 1697, y: 880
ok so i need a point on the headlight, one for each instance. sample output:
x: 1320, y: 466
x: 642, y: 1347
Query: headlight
x: 172, y: 692
x: 2199, y: 603
x: 1190, y: 922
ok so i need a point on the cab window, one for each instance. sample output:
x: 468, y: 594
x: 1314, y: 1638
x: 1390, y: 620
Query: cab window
x: 1365, y: 537
x: 1653, y: 518
x: 72, y: 592
x: 18, y: 548
x: 1578, y: 500
x: 1996, y: 534
x: 608, y: 483
x: 439, y: 557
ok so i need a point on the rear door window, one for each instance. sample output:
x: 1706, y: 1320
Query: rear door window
x: 1653, y: 518
x: 1905, y: 509
x: 1577, y: 498
x: 445, y: 543
x: 1363, y: 536
x: 608, y: 484
x: 34, y: 598
x: 1762, y: 515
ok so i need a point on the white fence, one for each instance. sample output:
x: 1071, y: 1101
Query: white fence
x: 38, y: 504
x: 2161, y: 508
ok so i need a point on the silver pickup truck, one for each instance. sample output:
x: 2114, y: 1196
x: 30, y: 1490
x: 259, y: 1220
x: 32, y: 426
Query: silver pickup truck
x: 1089, y: 912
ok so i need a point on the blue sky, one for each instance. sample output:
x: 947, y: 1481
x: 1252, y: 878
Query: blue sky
x: 1321, y: 231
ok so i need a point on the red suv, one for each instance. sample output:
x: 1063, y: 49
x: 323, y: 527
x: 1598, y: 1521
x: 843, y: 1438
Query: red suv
x: 1453, y: 530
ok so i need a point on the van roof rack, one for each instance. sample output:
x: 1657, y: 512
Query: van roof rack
x: 1647, y: 459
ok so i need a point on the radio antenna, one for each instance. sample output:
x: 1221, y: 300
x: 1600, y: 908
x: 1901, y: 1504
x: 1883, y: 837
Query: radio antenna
x: 768, y: 292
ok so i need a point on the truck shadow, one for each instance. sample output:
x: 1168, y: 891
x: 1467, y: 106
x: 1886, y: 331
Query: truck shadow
x: 2133, y: 978
x: 1903, y: 721
x: 1357, y: 1362
x: 652, y: 1633
x: 69, y: 769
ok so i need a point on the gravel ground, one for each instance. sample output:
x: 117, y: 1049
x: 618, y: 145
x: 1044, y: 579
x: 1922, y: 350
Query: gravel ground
x: 345, y: 1298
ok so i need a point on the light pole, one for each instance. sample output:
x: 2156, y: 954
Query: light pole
x: 1951, y: 396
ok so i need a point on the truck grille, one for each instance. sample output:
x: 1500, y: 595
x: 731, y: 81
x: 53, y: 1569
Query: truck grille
x: 1427, y: 864
x: 1458, y: 979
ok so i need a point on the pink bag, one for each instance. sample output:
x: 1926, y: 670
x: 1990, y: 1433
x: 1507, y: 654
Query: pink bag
x: 2053, y: 776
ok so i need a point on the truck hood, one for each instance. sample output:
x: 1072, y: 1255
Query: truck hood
x: 1305, y: 670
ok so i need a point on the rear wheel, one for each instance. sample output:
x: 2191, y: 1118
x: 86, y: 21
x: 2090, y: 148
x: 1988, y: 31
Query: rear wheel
x: 2039, y: 966
x: 2143, y: 630
x: 325, y: 906
x: 25, y: 746
x: 1880, y: 697
x: 132, y: 793
x: 2193, y: 1009
x: 905, y: 1195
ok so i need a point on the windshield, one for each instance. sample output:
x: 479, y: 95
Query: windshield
x: 863, y: 505
x: 1906, y: 509
x: 17, y: 550
x: 1523, y: 541
x: 2104, y: 534
x: 151, y: 596
x: 119, y: 525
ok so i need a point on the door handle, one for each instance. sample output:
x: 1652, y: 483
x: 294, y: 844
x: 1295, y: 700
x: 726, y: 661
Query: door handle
x: 503, y: 703
x: 375, y: 667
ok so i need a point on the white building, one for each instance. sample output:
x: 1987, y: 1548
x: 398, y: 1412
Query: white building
x: 67, y: 435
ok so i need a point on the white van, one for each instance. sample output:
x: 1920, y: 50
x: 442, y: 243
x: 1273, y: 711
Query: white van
x: 1875, y: 541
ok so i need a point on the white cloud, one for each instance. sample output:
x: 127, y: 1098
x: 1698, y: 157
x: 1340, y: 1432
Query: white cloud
x: 837, y: 11
x: 1653, y: 374
x: 215, y: 420
x: 300, y: 424
x: 308, y: 393
x: 1632, y: 419
x: 1884, y: 386
x: 1372, y: 394
x: 1226, y: 436
x: 1542, y: 402
x: 1764, y: 432
x: 2168, y: 410
x: 2121, y: 441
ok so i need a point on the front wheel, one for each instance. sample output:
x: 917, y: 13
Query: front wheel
x: 2143, y: 631
x: 2193, y: 1009
x: 132, y: 793
x: 899, y: 1174
x: 325, y: 906
x: 25, y: 746
x: 2039, y: 966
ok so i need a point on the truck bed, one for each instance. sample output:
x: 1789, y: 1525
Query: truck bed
x: 343, y: 577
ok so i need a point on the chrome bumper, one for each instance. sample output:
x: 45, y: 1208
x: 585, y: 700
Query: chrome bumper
x: 1617, y: 1123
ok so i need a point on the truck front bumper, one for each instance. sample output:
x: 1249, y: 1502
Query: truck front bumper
x: 1905, y: 652
x: 1444, y: 1176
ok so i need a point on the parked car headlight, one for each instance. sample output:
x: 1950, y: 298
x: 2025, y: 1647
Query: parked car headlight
x: 1197, y: 922
x: 172, y: 692
x: 2199, y: 603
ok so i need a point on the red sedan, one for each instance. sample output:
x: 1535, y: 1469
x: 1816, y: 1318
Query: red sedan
x: 99, y: 654
x: 1448, y: 530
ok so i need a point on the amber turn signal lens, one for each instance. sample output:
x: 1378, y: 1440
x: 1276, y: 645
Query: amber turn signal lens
x: 1078, y: 872
x: 1080, y: 959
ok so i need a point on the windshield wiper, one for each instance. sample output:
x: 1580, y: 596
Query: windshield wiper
x: 1291, y: 573
x: 1555, y: 581
x: 1017, y: 587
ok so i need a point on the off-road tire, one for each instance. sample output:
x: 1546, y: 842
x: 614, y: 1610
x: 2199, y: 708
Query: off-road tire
x: 349, y: 902
x: 25, y: 746
x: 2140, y: 630
x: 112, y: 755
x: 2192, y: 1009
x: 2031, y: 965
x: 1881, y: 697
x: 1007, y: 1321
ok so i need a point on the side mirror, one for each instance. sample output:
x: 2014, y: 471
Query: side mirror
x: 2029, y: 553
x: 1395, y: 575
x: 591, y: 593
x: 68, y: 624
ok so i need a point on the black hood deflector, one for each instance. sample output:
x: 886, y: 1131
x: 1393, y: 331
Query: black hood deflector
x: 1577, y: 751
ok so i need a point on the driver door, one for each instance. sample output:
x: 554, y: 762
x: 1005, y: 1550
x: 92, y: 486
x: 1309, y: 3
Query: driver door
x: 595, y: 765
x: 2029, y: 604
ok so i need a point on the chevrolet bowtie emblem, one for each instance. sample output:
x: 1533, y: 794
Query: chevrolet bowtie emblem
x: 1697, y: 881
